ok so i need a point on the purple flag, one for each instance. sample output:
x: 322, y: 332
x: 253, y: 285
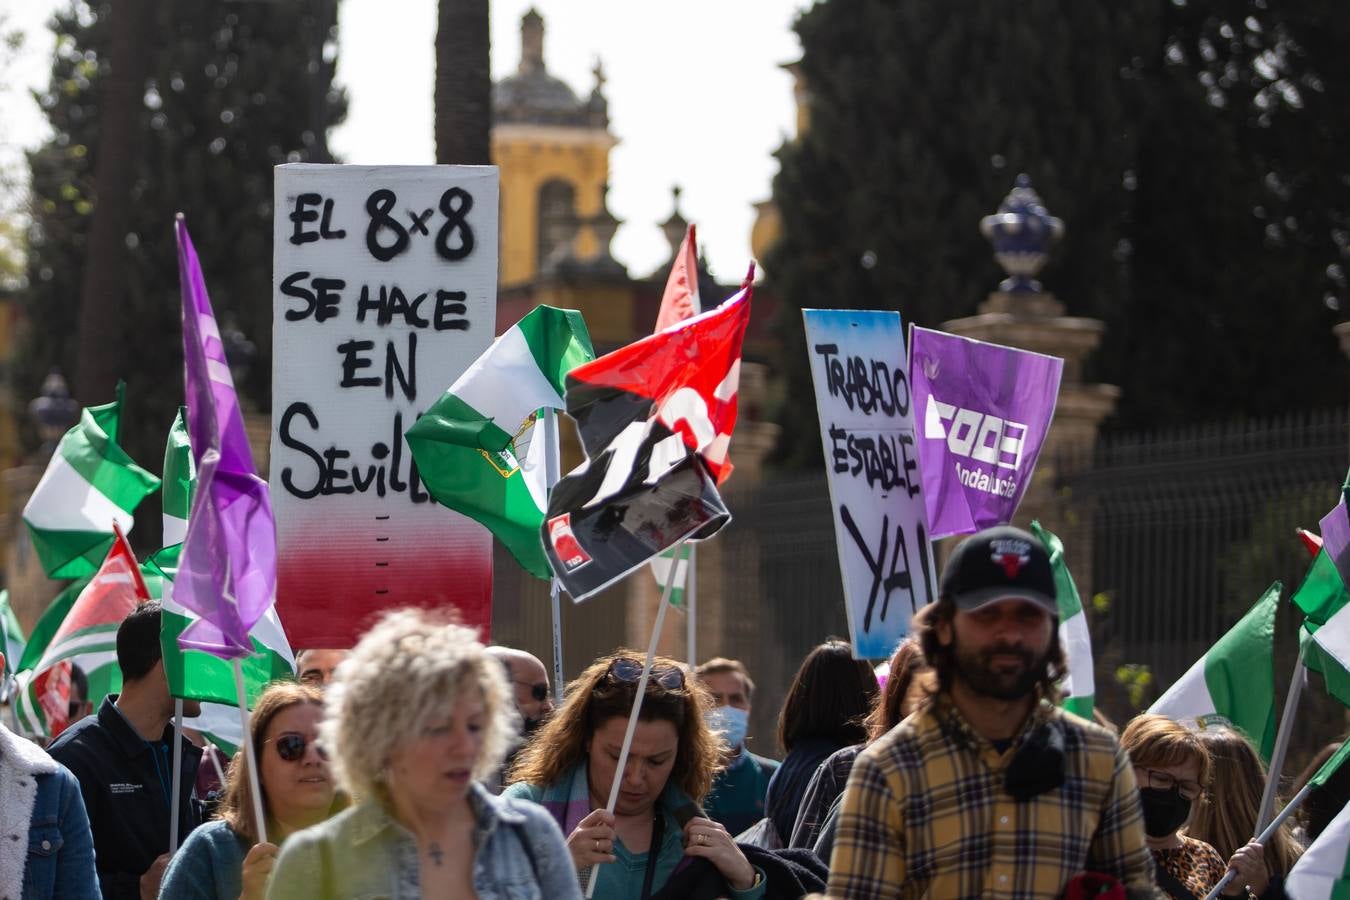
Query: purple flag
x: 1335, y: 527
x: 985, y: 411
x: 227, y: 573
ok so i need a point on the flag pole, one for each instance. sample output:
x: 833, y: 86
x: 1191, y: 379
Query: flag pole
x: 1282, y: 740
x: 637, y: 708
x: 1264, y: 836
x: 177, y: 773
x: 691, y: 605
x: 551, y: 475
x: 249, y: 759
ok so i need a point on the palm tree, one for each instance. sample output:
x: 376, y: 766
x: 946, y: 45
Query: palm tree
x: 463, y: 83
x: 103, y: 290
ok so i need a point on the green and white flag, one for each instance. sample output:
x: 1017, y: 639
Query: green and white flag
x: 192, y: 674
x: 1235, y: 680
x: 477, y: 449
x: 1079, y: 685
x: 1323, y: 599
x: 180, y: 474
x: 89, y: 484
x: 11, y: 633
x: 1323, y: 871
x: 661, y: 570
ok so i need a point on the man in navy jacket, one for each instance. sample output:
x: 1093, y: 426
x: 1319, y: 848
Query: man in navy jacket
x: 123, y: 758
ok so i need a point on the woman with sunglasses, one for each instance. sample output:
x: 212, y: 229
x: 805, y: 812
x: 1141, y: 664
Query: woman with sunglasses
x: 657, y: 826
x: 1172, y: 768
x: 225, y: 859
x: 416, y: 716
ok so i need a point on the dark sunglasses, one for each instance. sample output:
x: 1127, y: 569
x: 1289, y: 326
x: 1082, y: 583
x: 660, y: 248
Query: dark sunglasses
x: 538, y: 690
x: 291, y: 747
x: 630, y: 670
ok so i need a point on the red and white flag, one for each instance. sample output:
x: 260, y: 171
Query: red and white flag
x: 87, y: 637
x: 655, y: 419
x: 681, y: 301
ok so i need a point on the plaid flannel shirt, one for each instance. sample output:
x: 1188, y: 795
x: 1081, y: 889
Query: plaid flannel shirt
x: 925, y: 814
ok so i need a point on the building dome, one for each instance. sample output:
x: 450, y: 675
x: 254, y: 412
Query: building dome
x: 533, y: 96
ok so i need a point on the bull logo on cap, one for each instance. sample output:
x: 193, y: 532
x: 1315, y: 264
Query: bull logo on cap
x: 1012, y: 555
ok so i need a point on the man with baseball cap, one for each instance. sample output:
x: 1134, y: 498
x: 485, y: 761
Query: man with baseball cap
x: 989, y: 789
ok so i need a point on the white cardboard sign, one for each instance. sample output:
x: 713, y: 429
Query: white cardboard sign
x: 384, y: 291
x: 871, y: 462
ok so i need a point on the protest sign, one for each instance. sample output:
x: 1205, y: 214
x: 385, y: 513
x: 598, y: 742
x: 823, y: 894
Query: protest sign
x: 867, y: 427
x: 986, y: 410
x: 385, y: 288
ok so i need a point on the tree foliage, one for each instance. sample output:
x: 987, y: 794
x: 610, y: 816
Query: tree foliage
x: 1191, y: 152
x: 233, y: 89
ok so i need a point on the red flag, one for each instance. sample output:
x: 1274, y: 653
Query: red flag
x: 655, y: 419
x: 1311, y: 542
x: 690, y: 373
x: 52, y: 688
x: 89, y: 630
x: 681, y: 301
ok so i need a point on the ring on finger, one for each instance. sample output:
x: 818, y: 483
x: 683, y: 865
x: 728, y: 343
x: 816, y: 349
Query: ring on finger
x: 597, y: 845
x: 702, y: 839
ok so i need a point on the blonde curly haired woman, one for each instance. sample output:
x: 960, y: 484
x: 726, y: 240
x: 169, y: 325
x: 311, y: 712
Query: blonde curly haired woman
x: 416, y: 716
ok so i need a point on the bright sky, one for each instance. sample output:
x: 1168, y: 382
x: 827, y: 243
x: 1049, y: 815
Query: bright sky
x: 696, y: 98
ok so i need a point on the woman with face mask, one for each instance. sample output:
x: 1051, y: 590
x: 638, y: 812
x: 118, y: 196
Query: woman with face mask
x: 1172, y: 767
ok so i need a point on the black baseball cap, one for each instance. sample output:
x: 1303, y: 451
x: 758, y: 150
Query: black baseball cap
x: 997, y: 564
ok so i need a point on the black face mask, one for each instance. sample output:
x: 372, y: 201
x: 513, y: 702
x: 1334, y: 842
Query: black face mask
x: 1164, y: 811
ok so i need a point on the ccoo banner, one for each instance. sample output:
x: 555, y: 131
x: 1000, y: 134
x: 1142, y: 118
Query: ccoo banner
x: 385, y: 287
x: 986, y: 410
x: 871, y: 463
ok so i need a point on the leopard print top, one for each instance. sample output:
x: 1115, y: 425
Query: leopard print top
x: 1195, y: 864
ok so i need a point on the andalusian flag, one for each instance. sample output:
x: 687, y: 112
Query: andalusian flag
x: 1323, y: 871
x: 194, y: 674
x: 665, y: 561
x: 179, y: 475
x: 1235, y: 679
x: 86, y: 637
x: 477, y: 449
x: 89, y: 484
x: 1079, y: 685
x: 11, y: 633
x: 1323, y: 599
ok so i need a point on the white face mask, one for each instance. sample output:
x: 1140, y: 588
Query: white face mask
x: 731, y: 722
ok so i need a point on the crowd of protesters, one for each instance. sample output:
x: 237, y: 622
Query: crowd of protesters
x: 424, y: 764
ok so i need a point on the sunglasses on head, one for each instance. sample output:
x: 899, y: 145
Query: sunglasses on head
x: 291, y: 747
x: 538, y: 690
x: 630, y: 670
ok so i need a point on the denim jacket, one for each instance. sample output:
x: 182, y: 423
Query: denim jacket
x: 364, y: 854
x: 40, y: 800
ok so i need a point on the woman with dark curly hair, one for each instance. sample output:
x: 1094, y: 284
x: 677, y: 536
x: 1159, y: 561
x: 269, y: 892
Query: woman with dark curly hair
x: 571, y: 764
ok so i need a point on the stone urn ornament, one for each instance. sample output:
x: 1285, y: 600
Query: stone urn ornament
x: 1022, y: 233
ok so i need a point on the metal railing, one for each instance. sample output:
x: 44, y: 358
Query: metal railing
x: 1186, y: 529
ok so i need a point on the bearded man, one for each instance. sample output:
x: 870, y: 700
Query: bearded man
x: 990, y: 789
